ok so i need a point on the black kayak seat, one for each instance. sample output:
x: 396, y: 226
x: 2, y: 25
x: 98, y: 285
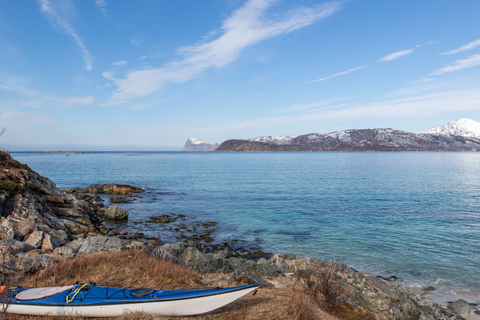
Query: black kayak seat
x: 140, y: 293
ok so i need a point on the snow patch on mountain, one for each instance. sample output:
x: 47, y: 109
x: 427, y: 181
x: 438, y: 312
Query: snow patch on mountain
x: 276, y: 140
x: 463, y: 127
x: 194, y: 144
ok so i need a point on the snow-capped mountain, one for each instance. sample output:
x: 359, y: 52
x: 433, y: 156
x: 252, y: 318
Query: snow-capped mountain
x: 381, y: 139
x: 194, y: 144
x: 276, y: 140
x: 463, y: 127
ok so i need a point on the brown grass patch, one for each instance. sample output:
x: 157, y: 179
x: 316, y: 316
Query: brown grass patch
x: 132, y: 269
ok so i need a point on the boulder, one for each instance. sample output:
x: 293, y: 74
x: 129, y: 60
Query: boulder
x: 116, y: 213
x: 101, y: 243
x: 35, y: 239
x: 461, y: 307
x: 14, y: 246
x: 49, y: 243
x: 24, y: 227
x: 69, y: 250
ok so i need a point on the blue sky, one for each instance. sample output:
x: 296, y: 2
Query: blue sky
x: 146, y: 75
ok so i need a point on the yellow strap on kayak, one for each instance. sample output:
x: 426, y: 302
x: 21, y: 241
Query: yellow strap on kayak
x: 71, y: 296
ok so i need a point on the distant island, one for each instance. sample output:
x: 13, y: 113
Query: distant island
x: 459, y: 135
x: 193, y: 144
x: 67, y: 152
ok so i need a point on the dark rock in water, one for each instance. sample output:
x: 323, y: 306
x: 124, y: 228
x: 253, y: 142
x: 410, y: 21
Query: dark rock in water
x: 429, y: 288
x: 112, y: 189
x: 391, y: 278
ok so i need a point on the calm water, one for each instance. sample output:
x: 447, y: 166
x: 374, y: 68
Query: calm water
x: 414, y: 215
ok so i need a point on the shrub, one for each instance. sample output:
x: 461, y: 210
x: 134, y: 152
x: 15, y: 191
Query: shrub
x: 10, y: 188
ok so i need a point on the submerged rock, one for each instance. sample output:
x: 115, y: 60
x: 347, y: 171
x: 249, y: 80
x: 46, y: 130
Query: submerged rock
x: 112, y: 189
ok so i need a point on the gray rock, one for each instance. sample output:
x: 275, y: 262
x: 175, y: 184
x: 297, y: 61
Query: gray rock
x: 191, y: 254
x: 116, y: 213
x: 14, y: 246
x: 70, y: 249
x: 29, y: 263
x: 461, y: 307
x: 101, y: 243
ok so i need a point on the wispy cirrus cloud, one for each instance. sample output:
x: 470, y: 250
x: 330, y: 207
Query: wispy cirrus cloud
x: 119, y: 63
x: 468, y: 46
x: 246, y: 26
x: 406, y: 107
x: 102, y: 5
x: 396, y: 55
x: 18, y: 86
x: 402, y: 53
x: 50, y: 10
x: 461, y: 64
x: 84, y: 101
x: 341, y: 73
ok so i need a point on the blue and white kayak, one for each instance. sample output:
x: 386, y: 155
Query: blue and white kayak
x: 90, y: 300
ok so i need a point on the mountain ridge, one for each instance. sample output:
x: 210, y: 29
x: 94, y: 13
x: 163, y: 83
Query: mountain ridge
x: 379, y: 139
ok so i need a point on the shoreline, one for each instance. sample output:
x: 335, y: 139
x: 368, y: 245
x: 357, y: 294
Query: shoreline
x: 42, y: 225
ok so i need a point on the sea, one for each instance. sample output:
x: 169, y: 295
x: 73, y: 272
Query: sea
x: 410, y: 216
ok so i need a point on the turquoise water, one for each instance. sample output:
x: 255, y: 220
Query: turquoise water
x: 412, y: 215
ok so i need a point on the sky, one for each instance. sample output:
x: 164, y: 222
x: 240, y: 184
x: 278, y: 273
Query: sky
x: 145, y: 75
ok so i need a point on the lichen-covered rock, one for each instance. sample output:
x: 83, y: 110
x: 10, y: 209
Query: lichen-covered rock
x: 101, y: 243
x: 112, y: 189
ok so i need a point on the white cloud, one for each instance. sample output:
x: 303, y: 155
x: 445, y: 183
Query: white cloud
x: 49, y: 9
x: 80, y: 100
x: 407, y: 107
x: 396, y: 55
x: 135, y: 41
x: 120, y: 63
x: 246, y: 26
x: 17, y: 86
x: 341, y: 73
x: 423, y: 79
x: 462, y: 64
x: 102, y: 5
x: 468, y: 46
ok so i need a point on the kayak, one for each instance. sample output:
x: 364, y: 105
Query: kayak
x: 90, y: 300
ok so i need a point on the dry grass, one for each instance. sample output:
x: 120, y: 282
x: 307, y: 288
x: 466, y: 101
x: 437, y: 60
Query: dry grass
x: 132, y: 269
x: 137, y: 269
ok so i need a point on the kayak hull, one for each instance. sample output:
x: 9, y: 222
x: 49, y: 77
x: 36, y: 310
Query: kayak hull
x: 164, y: 303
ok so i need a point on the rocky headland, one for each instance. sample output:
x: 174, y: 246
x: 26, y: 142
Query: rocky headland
x: 193, y: 144
x: 41, y: 225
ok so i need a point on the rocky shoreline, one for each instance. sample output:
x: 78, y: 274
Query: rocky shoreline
x: 41, y: 225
